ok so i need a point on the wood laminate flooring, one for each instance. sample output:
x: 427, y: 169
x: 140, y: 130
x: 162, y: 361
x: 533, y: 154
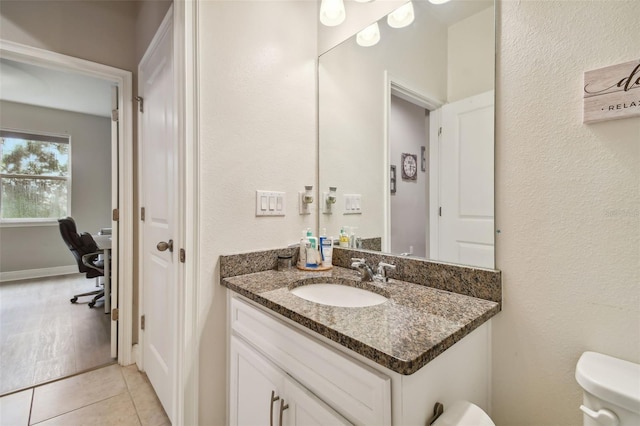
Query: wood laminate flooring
x: 44, y: 337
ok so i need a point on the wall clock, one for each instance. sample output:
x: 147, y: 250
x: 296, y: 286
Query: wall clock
x: 409, y: 166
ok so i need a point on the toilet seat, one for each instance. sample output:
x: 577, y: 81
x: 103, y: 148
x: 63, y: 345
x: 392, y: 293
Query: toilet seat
x: 463, y: 413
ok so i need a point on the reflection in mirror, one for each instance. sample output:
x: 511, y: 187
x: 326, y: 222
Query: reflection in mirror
x: 419, y: 101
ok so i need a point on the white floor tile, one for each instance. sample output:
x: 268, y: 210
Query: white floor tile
x: 14, y: 408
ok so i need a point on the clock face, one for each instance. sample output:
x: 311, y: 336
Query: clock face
x: 409, y: 166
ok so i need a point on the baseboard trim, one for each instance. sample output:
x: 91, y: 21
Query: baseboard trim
x: 38, y: 273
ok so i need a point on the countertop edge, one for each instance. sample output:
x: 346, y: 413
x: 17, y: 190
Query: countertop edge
x: 404, y: 367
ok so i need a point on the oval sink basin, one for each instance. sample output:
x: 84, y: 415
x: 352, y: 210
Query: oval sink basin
x: 338, y: 295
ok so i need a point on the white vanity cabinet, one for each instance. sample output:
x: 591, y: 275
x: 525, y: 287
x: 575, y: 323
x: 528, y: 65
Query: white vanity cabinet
x: 298, y: 367
x: 262, y: 394
x: 325, y: 383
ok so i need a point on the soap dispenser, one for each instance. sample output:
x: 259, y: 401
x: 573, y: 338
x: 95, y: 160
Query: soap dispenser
x: 343, y: 238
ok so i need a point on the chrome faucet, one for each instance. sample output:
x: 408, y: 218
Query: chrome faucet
x: 366, y: 273
x: 381, y: 274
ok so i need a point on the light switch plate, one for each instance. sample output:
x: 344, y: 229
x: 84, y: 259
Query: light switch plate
x: 352, y: 203
x: 270, y: 203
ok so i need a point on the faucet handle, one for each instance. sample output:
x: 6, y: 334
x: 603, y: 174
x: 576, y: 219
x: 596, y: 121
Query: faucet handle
x: 382, y: 270
x: 355, y: 261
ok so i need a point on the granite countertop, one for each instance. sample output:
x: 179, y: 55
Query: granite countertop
x: 414, y: 326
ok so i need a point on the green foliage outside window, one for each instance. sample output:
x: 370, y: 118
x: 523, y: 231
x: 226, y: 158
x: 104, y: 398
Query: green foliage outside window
x: 34, y: 178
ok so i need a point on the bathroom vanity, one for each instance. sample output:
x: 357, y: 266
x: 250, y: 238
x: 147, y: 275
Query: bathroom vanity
x: 293, y: 361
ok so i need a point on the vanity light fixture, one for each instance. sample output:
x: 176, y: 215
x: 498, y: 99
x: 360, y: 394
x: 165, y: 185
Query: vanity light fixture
x: 370, y: 36
x: 332, y: 12
x: 438, y: 1
x: 306, y: 199
x: 330, y: 199
x: 401, y: 17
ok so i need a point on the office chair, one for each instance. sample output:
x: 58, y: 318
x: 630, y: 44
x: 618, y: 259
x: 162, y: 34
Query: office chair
x: 85, y: 251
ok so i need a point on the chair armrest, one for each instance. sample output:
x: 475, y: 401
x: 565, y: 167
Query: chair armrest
x: 87, y: 262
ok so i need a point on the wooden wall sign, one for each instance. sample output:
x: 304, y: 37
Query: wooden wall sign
x: 612, y: 92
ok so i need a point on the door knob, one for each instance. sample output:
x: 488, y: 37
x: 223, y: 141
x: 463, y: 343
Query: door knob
x: 162, y: 246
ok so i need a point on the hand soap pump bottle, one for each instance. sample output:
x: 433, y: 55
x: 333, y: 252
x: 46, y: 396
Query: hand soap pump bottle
x: 344, y: 238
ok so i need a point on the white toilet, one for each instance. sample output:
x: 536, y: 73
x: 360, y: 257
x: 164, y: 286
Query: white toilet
x: 611, y: 390
x: 463, y: 413
x: 611, y: 395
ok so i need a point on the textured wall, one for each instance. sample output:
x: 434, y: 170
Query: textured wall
x: 258, y: 131
x: 567, y: 205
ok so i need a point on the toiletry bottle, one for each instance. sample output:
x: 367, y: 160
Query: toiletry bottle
x: 326, y: 246
x: 302, y: 255
x: 312, y: 250
x: 344, y: 238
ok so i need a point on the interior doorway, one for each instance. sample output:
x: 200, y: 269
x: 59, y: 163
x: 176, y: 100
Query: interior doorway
x: 409, y: 137
x: 119, y: 214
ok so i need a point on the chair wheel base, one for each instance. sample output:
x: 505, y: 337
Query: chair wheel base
x: 74, y: 300
x: 92, y: 304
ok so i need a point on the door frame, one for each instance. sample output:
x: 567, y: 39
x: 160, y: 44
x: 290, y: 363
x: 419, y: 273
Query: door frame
x: 185, y: 48
x: 396, y: 87
x: 124, y: 244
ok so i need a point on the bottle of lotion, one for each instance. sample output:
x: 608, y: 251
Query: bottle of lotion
x: 312, y: 250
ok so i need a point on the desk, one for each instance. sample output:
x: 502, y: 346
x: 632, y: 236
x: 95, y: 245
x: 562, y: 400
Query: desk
x: 104, y: 243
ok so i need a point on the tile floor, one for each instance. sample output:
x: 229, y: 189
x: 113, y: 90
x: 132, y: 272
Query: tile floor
x: 111, y: 395
x: 43, y: 336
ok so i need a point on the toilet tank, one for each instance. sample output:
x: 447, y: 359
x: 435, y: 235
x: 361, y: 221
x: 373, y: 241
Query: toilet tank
x: 611, y: 390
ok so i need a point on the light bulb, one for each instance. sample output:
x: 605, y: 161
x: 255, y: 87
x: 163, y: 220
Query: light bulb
x: 401, y: 17
x: 332, y: 12
x: 369, y: 36
x: 438, y: 1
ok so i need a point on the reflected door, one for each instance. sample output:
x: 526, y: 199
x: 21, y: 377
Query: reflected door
x: 466, y: 224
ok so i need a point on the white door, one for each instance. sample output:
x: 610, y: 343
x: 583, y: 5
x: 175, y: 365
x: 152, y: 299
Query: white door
x: 158, y: 192
x: 466, y: 224
x: 262, y: 394
x: 255, y: 387
x: 305, y: 409
x: 115, y: 236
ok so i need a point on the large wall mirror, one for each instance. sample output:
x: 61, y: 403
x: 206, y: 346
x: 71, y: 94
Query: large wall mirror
x: 406, y: 134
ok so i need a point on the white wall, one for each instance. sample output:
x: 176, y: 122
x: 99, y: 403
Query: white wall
x: 471, y: 63
x: 408, y: 131
x: 37, y: 247
x: 258, y: 131
x: 99, y: 31
x: 567, y: 205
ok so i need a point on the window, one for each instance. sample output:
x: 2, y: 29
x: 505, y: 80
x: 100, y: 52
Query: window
x: 35, y: 178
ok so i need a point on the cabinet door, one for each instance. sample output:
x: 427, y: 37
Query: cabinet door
x: 305, y: 409
x: 255, y: 387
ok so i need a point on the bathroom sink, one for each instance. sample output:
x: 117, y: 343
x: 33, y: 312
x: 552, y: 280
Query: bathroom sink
x: 338, y: 294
